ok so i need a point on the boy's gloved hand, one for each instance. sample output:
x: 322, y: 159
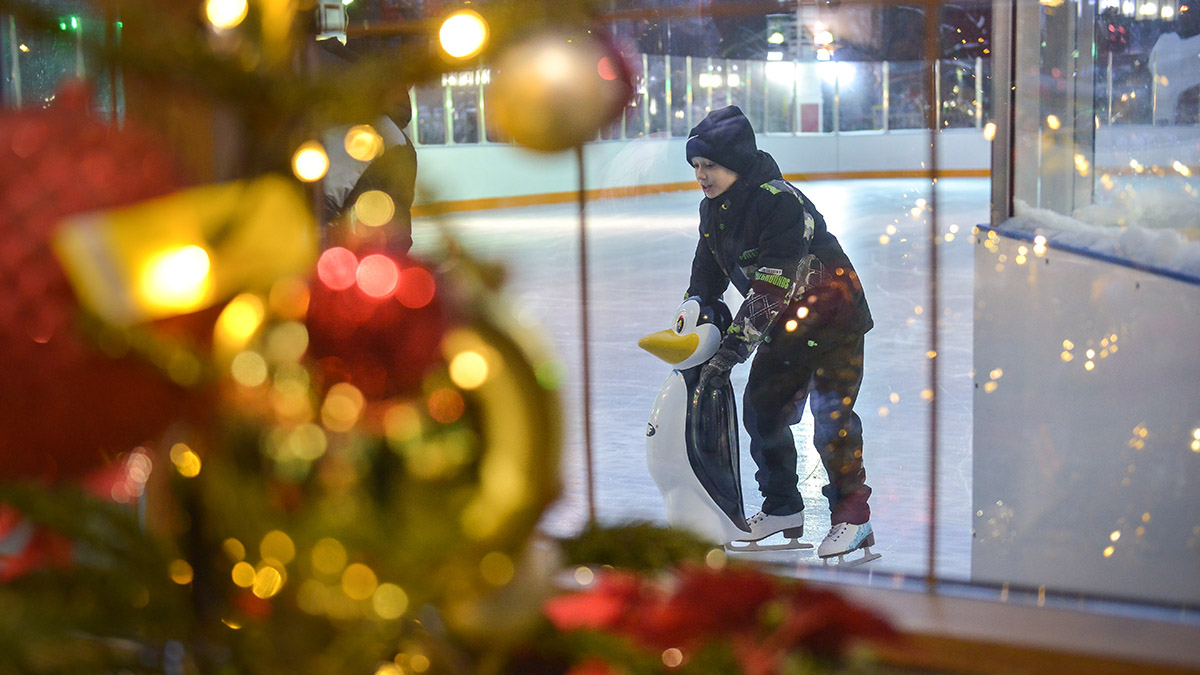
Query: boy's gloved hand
x: 716, y: 371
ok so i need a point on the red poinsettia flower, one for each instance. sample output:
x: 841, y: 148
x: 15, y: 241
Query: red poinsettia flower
x: 825, y: 624
x: 602, y: 607
x: 815, y: 621
x: 704, y: 604
x: 762, y: 618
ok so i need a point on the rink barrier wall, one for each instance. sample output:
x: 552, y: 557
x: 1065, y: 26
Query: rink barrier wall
x: 487, y: 176
x: 1084, y: 476
x: 639, y: 190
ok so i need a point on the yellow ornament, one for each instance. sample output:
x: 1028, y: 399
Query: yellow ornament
x: 187, y: 251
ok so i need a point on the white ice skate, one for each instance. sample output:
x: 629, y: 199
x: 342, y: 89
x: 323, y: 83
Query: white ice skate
x: 844, y: 538
x: 763, y: 525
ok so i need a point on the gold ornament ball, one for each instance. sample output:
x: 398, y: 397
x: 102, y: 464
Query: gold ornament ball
x: 554, y: 90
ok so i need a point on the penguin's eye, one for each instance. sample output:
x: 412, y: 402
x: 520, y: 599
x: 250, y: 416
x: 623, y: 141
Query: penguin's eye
x: 678, y: 324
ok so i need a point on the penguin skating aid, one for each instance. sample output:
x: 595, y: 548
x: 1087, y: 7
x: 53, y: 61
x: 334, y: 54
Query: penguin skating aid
x: 692, y: 442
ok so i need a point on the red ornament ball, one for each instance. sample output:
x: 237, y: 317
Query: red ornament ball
x: 66, y: 407
x: 375, y: 320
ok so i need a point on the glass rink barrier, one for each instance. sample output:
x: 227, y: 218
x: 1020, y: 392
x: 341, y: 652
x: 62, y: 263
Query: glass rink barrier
x: 1017, y: 184
x: 1093, y: 252
x: 792, y: 97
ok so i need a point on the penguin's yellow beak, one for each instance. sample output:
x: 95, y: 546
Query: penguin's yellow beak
x: 669, y: 345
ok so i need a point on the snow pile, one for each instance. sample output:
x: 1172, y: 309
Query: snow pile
x: 1157, y: 229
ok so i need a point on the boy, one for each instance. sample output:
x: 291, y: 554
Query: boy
x: 805, y: 314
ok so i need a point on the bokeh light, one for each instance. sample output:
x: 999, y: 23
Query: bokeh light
x: 416, y: 288
x: 249, y: 369
x: 225, y: 14
x: 374, y: 208
x: 310, y: 163
x: 186, y: 461
x: 290, y: 394
x: 359, y: 581
x: 287, y: 342
x: 1082, y: 165
x: 402, y: 423
x: 181, y: 572
x: 463, y: 34
x: 268, y: 581
x: 278, y: 546
x: 234, y: 549
x: 584, y: 576
x: 176, y: 280
x: 329, y: 556
x: 445, y: 405
x: 377, y: 275
x: 337, y: 268
x: 243, y: 574
x: 239, y: 321
x: 468, y: 370
x: 389, y: 601
x: 306, y: 442
x: 363, y: 143
x: 342, y: 408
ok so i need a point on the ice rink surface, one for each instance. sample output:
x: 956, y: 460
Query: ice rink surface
x: 639, y: 252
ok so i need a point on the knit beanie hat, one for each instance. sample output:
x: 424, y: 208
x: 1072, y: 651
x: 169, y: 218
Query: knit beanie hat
x: 726, y: 137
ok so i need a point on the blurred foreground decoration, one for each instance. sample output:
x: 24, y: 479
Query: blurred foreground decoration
x: 71, y: 402
x: 188, y: 251
x: 376, y: 323
x: 363, y: 464
x: 348, y: 443
x: 299, y: 460
x: 715, y: 619
x: 324, y: 453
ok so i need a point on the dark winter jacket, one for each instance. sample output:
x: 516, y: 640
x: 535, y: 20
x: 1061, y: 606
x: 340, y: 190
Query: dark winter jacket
x: 766, y: 237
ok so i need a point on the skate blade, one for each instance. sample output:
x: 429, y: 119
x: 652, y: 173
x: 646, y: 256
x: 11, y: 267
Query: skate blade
x: 866, y: 557
x: 750, y: 546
